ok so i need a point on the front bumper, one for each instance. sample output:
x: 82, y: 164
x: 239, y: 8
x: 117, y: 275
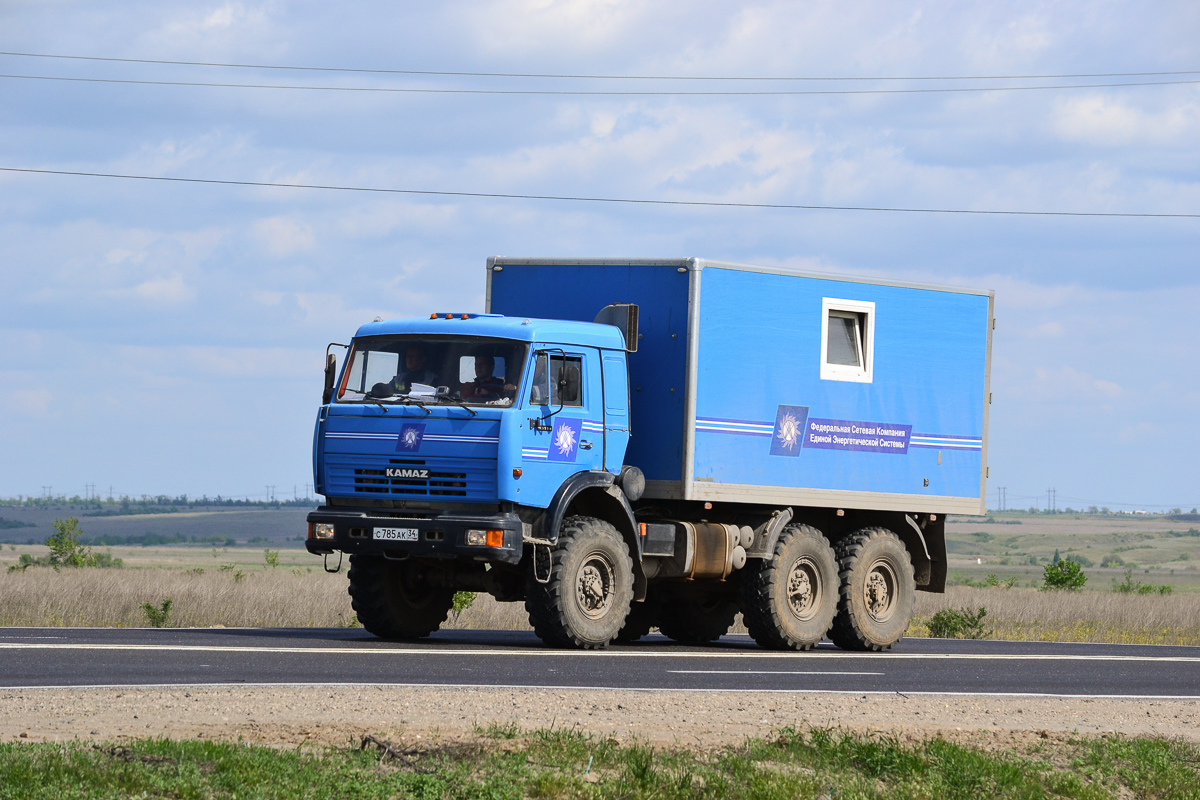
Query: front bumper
x: 440, y: 535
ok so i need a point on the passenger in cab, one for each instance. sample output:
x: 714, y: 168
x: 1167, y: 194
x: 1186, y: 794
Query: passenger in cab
x: 486, y: 386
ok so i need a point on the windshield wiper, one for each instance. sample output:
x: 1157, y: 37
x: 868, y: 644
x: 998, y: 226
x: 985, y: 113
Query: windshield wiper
x: 413, y: 401
x: 459, y: 403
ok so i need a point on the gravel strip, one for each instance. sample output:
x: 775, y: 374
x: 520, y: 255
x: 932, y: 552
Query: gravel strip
x: 333, y: 715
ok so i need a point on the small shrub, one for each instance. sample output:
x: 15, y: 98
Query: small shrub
x: 158, y: 617
x: 1112, y: 560
x: 462, y: 601
x: 1010, y: 582
x: 271, y: 557
x: 1130, y: 586
x: 1065, y: 574
x: 991, y: 580
x: 961, y: 624
x: 65, y: 548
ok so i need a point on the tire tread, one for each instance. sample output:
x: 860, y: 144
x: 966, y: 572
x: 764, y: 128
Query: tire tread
x: 759, y: 613
x: 846, y: 632
x: 544, y: 602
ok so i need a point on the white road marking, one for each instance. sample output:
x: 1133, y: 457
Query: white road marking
x: 761, y: 672
x: 516, y: 686
x: 440, y: 650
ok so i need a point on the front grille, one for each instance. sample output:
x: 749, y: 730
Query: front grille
x: 447, y: 479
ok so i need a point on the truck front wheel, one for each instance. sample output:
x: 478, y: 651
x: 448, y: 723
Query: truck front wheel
x: 877, y: 592
x: 392, y: 600
x: 789, y: 601
x: 586, y: 600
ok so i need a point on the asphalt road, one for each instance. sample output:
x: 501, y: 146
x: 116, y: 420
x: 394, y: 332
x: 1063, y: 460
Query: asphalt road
x: 65, y: 657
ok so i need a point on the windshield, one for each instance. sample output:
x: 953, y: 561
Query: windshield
x: 433, y: 369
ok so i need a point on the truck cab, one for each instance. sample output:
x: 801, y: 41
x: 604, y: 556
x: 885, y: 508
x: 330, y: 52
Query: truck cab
x: 445, y: 443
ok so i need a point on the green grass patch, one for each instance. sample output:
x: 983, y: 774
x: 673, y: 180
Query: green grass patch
x: 507, y: 763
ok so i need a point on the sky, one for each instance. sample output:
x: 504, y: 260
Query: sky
x: 167, y: 338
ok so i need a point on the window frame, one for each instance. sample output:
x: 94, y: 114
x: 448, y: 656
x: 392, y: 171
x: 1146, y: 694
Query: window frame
x: 564, y: 357
x: 864, y: 313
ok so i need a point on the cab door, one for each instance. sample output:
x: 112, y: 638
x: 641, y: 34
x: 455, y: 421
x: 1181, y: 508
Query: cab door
x: 564, y: 429
x: 616, y: 410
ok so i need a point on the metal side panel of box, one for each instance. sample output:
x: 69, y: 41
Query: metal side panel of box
x: 768, y: 428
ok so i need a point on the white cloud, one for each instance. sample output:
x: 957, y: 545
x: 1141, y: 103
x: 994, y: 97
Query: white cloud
x: 170, y: 290
x: 1114, y: 122
x: 33, y: 402
x: 284, y: 236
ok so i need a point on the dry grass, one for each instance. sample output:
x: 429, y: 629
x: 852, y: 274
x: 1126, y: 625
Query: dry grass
x: 114, y: 597
x: 285, y: 598
x: 1032, y: 615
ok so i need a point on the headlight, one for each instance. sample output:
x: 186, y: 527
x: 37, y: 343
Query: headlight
x: 488, y: 538
x: 321, y: 530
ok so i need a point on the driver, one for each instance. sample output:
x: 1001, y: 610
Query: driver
x: 414, y: 370
x: 486, y: 386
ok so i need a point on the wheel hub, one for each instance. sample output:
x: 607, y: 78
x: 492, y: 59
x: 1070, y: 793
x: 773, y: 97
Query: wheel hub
x: 803, y: 589
x: 594, y: 586
x: 879, y: 591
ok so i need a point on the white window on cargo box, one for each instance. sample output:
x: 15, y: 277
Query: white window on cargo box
x: 847, y: 340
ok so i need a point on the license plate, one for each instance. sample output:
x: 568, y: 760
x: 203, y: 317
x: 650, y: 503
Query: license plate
x: 395, y: 534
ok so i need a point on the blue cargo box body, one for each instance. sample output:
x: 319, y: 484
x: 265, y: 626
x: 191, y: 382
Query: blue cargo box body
x: 734, y: 399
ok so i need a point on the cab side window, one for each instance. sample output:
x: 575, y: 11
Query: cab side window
x: 557, y: 379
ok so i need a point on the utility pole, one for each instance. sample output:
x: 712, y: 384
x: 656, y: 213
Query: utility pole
x: 110, y: 494
x: 1051, y: 504
x: 271, y: 493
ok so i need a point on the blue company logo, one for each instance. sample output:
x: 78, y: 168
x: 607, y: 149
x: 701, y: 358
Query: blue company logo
x: 788, y: 434
x: 564, y: 439
x: 410, y: 437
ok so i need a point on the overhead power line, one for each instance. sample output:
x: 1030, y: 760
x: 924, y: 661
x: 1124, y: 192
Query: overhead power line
x: 551, y: 75
x: 586, y: 199
x: 596, y: 93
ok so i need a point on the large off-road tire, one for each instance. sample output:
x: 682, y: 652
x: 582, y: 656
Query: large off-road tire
x: 393, y: 601
x: 585, y: 603
x: 642, y: 617
x: 697, y: 620
x: 875, y: 600
x: 789, y: 601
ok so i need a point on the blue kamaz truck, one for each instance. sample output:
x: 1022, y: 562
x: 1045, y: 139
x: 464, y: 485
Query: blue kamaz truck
x: 627, y: 444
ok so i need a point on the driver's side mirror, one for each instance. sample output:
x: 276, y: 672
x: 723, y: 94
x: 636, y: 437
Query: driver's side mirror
x: 330, y: 377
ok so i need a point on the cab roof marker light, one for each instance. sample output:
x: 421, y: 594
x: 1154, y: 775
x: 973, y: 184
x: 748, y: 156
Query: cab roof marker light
x: 433, y: 316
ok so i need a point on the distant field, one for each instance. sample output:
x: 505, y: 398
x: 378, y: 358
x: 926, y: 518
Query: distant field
x: 1158, y: 550
x: 277, y: 527
x: 298, y: 592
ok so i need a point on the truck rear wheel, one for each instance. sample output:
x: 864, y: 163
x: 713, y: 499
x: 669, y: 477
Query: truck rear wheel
x: 875, y: 600
x: 586, y: 600
x: 789, y: 602
x: 697, y: 620
x: 392, y: 600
